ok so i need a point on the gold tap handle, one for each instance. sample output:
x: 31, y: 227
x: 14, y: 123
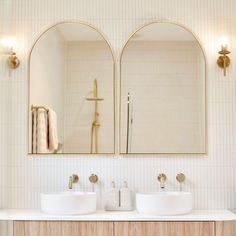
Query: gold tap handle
x: 93, y: 178
x: 180, y: 178
x: 75, y: 178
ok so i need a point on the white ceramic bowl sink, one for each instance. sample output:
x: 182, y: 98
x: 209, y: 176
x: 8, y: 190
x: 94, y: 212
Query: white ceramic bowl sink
x: 164, y: 203
x: 69, y: 203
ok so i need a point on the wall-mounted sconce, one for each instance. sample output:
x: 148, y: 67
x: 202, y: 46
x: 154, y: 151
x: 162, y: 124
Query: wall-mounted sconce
x: 223, y: 60
x: 10, y: 45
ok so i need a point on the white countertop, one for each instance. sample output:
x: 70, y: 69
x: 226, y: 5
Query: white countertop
x: 196, y: 215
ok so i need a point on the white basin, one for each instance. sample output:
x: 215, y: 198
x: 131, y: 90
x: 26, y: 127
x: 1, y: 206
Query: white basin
x: 69, y: 203
x: 164, y: 203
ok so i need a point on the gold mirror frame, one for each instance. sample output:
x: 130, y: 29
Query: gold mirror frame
x: 204, y: 55
x: 114, y: 87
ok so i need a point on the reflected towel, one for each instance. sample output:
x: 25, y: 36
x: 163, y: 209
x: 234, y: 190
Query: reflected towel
x: 52, y: 131
x: 40, y: 131
x: 44, y: 131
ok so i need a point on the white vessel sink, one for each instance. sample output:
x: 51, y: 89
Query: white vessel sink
x: 69, y: 203
x: 164, y: 203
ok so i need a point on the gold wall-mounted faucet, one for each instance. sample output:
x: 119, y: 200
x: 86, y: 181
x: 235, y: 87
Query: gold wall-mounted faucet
x: 73, y: 179
x: 162, y: 179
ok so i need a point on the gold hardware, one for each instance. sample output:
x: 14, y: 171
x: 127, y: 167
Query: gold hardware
x: 38, y: 107
x: 223, y: 60
x: 13, y: 61
x: 162, y: 179
x: 180, y: 178
x: 95, y: 124
x: 73, y: 179
x: 93, y: 178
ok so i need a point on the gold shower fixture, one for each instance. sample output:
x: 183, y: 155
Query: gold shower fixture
x: 96, y: 123
x: 223, y: 60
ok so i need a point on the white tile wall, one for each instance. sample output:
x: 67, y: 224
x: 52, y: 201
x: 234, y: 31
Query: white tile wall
x: 210, y: 177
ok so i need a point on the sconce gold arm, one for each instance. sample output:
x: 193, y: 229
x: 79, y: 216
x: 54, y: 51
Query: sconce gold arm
x: 13, y: 61
x: 223, y: 60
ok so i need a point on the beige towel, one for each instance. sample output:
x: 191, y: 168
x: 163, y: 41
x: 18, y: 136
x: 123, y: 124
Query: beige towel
x: 52, y: 132
x: 40, y: 131
x: 44, y: 131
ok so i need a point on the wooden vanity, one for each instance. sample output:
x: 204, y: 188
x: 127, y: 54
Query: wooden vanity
x: 68, y: 228
x: 44, y: 225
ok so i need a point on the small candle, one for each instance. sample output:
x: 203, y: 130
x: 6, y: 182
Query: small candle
x: 224, y: 47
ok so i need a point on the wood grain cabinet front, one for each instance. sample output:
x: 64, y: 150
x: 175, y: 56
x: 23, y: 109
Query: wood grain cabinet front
x: 6, y: 228
x: 37, y: 228
x: 100, y: 228
x: 65, y: 228
x: 92, y: 228
x: 164, y: 229
x: 225, y: 228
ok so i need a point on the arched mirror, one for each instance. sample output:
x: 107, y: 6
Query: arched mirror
x: 71, y: 101
x: 163, y: 92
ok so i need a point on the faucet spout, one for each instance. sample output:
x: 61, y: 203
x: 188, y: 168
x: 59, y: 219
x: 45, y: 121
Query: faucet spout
x: 70, y: 184
x: 162, y: 179
x: 162, y: 184
x: 73, y: 179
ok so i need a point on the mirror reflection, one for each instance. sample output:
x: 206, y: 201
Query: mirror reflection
x: 71, y: 103
x: 162, y: 92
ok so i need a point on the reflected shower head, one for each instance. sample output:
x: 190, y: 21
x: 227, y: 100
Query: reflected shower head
x: 95, y: 93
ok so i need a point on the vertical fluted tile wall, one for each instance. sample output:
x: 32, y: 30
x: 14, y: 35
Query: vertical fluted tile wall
x: 211, y: 177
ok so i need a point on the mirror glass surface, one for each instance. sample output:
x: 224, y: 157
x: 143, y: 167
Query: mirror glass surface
x: 71, y: 102
x: 163, y: 94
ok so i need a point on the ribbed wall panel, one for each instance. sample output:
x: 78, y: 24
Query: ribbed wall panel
x: 211, y: 177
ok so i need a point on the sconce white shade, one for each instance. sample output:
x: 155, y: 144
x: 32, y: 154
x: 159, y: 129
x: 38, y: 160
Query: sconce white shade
x: 9, y: 43
x: 224, y: 41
